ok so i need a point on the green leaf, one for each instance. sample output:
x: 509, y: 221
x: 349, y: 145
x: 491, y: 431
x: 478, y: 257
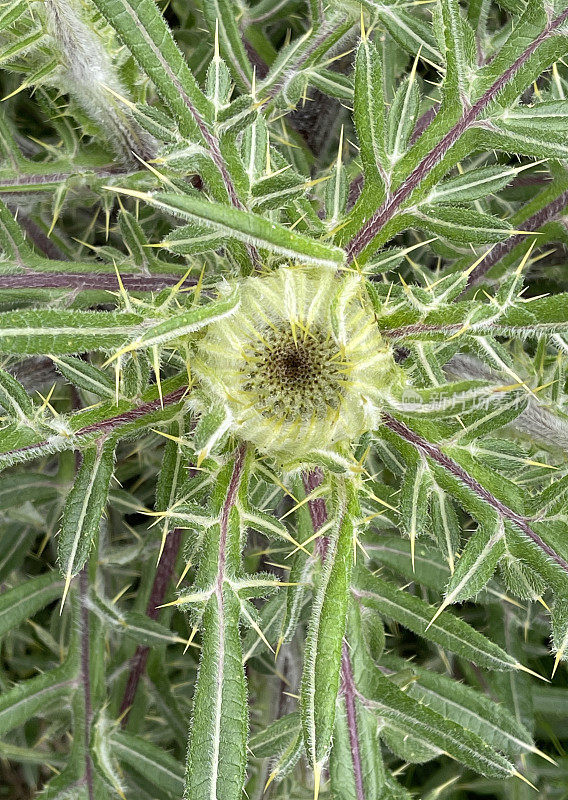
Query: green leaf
x: 35, y: 697
x: 433, y: 730
x: 276, y: 736
x: 158, y: 767
x: 36, y: 488
x: 409, y: 31
x: 61, y: 332
x: 320, y: 680
x: 12, y: 241
x: 446, y: 630
x: 368, y: 753
x: 85, y: 376
x: 477, y: 564
x: 221, y: 17
x: 402, y: 117
x: 187, y: 322
x: 445, y: 525
x: 83, y: 510
x: 414, y: 495
x: 14, y: 398
x: 429, y: 567
x: 463, y: 225
x: 25, y: 600
x: 474, y: 184
x: 560, y: 630
x: 143, y: 30
x: 369, y: 111
x: 461, y: 55
x: 192, y: 239
x: 494, y: 723
x: 247, y: 227
x: 216, y: 757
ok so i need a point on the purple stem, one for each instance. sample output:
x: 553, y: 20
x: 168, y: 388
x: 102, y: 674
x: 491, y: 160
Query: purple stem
x: 546, y: 214
x: 86, y: 677
x: 162, y: 578
x: 318, y: 513
x: 225, y: 511
x: 317, y: 508
x: 391, y: 204
x: 90, y: 280
x: 356, y: 185
x: 506, y: 513
x: 41, y: 241
x: 350, y: 693
x: 422, y: 123
x: 107, y: 425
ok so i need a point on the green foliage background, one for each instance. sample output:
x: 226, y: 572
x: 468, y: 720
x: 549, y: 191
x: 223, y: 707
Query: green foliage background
x: 376, y: 622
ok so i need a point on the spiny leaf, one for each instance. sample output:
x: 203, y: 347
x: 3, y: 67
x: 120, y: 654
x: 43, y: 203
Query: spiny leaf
x: 218, y: 731
x: 83, y: 510
x: 446, y: 630
x: 246, y: 227
x: 320, y: 681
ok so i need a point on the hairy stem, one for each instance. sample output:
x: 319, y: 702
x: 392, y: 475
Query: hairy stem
x: 432, y: 451
x: 393, y: 202
x: 93, y: 281
x: 162, y: 578
x: 226, y: 510
x: 318, y: 513
x: 86, y: 677
x: 107, y: 425
x: 546, y: 214
x: 317, y: 508
x: 350, y: 693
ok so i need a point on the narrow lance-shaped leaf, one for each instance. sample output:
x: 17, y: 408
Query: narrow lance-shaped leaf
x: 144, y: 31
x: 414, y: 500
x: 477, y: 564
x: 222, y: 17
x: 445, y: 525
x: 245, y: 227
x: 446, y: 630
x: 322, y: 660
x: 23, y: 601
x: 153, y: 763
x: 217, y: 743
x: 462, y: 225
x: 560, y: 631
x: 369, y: 111
x: 407, y: 715
x: 187, y: 322
x: 282, y: 742
x: 12, y: 241
x: 494, y: 723
x: 402, y: 116
x: 14, y: 398
x: 85, y: 376
x: 217, y: 748
x: 460, y: 54
x: 84, y: 508
x: 447, y: 736
x: 276, y: 735
x: 30, y: 332
x: 34, y: 696
x: 355, y: 761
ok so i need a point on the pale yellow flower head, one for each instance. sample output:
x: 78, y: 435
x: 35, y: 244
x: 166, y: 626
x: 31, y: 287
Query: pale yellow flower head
x: 301, y: 365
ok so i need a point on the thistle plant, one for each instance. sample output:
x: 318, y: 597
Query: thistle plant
x: 284, y: 339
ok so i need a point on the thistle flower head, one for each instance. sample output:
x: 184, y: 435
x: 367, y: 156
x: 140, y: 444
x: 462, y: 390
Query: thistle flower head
x: 301, y: 366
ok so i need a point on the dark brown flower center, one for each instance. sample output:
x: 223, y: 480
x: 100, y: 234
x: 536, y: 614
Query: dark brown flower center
x: 295, y: 375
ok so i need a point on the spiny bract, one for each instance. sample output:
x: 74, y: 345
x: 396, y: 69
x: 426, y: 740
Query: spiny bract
x: 301, y: 365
